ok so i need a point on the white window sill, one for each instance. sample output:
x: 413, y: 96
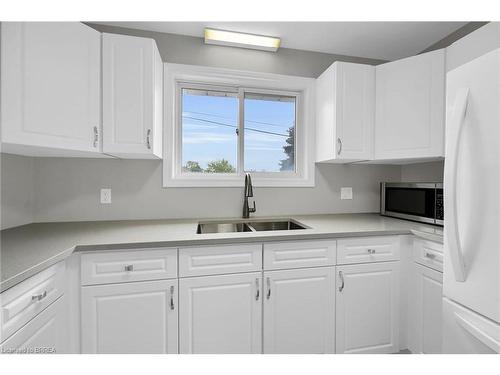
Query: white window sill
x: 239, y: 181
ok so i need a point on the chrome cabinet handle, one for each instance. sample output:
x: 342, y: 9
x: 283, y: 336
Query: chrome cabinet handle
x: 39, y: 297
x: 172, y: 306
x: 339, y: 142
x: 268, y: 281
x: 148, y: 140
x: 129, y: 267
x: 371, y: 251
x: 96, y: 136
x: 341, y: 276
x: 430, y: 256
x: 257, y: 293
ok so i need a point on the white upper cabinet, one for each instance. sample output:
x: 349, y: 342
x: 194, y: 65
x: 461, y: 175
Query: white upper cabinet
x: 410, y: 108
x: 132, y: 97
x: 50, y: 89
x: 345, y: 100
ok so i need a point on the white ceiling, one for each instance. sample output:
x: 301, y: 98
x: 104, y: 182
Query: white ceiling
x: 378, y: 40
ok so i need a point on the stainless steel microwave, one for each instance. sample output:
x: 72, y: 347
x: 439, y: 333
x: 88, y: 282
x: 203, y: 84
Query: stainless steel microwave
x: 415, y: 201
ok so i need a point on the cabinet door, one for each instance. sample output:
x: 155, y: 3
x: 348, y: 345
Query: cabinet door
x: 346, y: 112
x: 139, y: 317
x: 410, y: 97
x: 299, y: 311
x: 44, y: 334
x: 132, y: 97
x: 425, y: 317
x: 221, y: 314
x: 50, y: 88
x: 355, y: 111
x: 367, y: 308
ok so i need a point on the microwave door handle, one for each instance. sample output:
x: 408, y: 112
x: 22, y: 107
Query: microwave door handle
x: 450, y: 182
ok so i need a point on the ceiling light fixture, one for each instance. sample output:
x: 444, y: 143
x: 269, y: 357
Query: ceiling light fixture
x: 243, y: 40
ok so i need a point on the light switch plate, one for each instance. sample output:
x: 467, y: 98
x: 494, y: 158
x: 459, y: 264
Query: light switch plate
x: 346, y: 193
x: 105, y: 196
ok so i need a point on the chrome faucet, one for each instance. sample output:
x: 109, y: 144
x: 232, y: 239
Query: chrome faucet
x: 248, y: 192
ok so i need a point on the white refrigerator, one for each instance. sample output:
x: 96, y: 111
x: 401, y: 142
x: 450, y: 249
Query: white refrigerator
x: 471, y: 286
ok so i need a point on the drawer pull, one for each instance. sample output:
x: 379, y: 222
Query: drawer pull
x: 39, y: 297
x: 371, y: 251
x: 430, y: 256
x: 129, y: 267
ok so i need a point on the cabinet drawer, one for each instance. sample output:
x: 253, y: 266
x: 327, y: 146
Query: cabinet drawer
x: 27, y: 299
x: 299, y: 254
x: 125, y: 266
x: 367, y: 249
x: 213, y: 260
x: 428, y: 253
x: 44, y: 334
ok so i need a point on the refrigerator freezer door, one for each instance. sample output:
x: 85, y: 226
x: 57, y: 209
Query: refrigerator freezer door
x: 467, y: 332
x: 472, y: 186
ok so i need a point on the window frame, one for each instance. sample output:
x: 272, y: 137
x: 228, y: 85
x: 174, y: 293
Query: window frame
x: 178, y: 77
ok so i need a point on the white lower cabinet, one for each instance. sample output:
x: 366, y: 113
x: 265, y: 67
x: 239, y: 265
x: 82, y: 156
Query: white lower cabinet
x: 299, y: 311
x: 44, y: 334
x: 425, y: 305
x: 138, y: 317
x: 349, y: 308
x: 367, y: 308
x: 221, y: 314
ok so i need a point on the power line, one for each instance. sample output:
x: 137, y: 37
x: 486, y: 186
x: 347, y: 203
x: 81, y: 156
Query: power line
x: 252, y: 121
x: 234, y: 126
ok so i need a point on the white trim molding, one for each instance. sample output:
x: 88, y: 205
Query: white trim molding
x: 301, y: 87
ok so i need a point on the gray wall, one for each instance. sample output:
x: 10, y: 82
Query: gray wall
x: 17, y: 190
x: 423, y: 172
x: 68, y: 189
x: 182, y: 49
x: 481, y: 41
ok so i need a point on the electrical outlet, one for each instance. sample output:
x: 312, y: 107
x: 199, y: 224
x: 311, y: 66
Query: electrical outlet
x: 105, y: 196
x: 346, y: 193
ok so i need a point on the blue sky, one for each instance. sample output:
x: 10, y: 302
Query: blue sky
x: 209, y: 130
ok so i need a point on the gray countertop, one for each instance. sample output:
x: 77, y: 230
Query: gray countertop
x: 28, y: 249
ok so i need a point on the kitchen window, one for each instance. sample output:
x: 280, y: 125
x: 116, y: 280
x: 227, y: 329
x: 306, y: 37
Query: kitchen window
x: 209, y: 129
x: 219, y: 132
x: 269, y: 132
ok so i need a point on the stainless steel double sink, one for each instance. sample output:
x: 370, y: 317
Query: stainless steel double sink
x: 248, y: 226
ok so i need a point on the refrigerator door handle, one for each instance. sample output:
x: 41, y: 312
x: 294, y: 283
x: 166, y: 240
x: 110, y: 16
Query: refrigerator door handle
x: 451, y: 228
x: 486, y: 339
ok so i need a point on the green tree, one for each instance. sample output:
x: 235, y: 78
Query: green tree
x: 192, y: 166
x: 288, y: 164
x: 220, y: 166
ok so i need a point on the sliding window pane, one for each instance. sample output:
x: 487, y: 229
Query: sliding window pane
x: 209, y: 131
x: 269, y: 133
